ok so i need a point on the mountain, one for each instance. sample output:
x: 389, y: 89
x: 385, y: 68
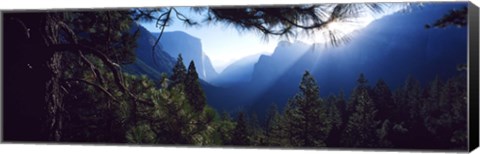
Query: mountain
x: 238, y: 72
x: 144, y: 63
x: 391, y: 48
x: 190, y: 47
x: 269, y: 67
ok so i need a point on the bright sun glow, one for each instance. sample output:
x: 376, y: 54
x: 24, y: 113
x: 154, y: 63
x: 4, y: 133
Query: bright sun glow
x: 341, y: 29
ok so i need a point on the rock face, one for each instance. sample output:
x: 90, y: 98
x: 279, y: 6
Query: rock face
x: 190, y: 47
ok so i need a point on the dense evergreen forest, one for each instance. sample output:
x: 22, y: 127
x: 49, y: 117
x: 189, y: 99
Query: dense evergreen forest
x: 65, y: 84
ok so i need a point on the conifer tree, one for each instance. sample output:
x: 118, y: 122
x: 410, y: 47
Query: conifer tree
x: 179, y: 75
x: 193, y: 90
x: 383, y: 99
x: 446, y: 117
x: 273, y: 132
x: 290, y: 124
x: 412, y: 94
x: 342, y: 106
x: 407, y: 116
x: 361, y: 129
x: 333, y: 112
x: 225, y: 129
x: 256, y: 135
x: 240, y: 134
x: 310, y: 114
x: 383, y: 133
x: 431, y: 108
x: 458, y: 103
x: 170, y: 119
x: 334, y: 115
x: 362, y: 84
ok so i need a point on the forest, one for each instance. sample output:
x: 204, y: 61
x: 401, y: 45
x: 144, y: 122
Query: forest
x: 64, y: 83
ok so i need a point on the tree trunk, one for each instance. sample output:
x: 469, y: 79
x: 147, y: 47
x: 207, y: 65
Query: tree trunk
x: 54, y: 98
x: 54, y: 94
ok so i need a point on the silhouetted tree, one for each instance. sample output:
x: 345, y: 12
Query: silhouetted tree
x: 273, y: 128
x: 256, y: 135
x: 383, y: 99
x: 179, y: 75
x: 362, y: 85
x: 408, y: 103
x: 335, y: 116
x: 309, y: 115
x: 240, y: 134
x: 454, y: 17
x: 445, y: 116
x: 290, y: 124
x: 342, y: 106
x: 193, y: 90
x: 225, y: 129
x: 361, y: 129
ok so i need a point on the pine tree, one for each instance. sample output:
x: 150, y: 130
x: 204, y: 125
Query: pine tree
x: 193, y: 90
x: 309, y: 113
x: 362, y: 81
x: 273, y: 130
x: 383, y: 134
x: 431, y: 109
x: 383, y: 99
x: 342, y: 107
x: 333, y: 113
x: 240, y: 136
x: 179, y: 75
x: 170, y: 119
x: 407, y: 117
x: 446, y: 119
x: 335, y: 116
x: 290, y: 124
x: 458, y: 104
x: 362, y: 84
x: 412, y: 95
x: 225, y: 129
x: 455, y: 17
x: 361, y: 129
x: 290, y: 21
x: 256, y: 135
x: 91, y: 71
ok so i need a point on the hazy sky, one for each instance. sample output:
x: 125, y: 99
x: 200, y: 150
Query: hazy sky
x: 221, y: 43
x: 225, y: 44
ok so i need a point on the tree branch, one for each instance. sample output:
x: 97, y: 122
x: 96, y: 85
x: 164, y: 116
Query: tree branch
x: 75, y: 80
x: 163, y: 25
x: 111, y: 65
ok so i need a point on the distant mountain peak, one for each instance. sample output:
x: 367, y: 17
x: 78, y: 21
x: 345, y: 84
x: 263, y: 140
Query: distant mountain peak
x: 179, y: 42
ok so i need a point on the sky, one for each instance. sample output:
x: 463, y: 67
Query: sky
x: 225, y: 44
